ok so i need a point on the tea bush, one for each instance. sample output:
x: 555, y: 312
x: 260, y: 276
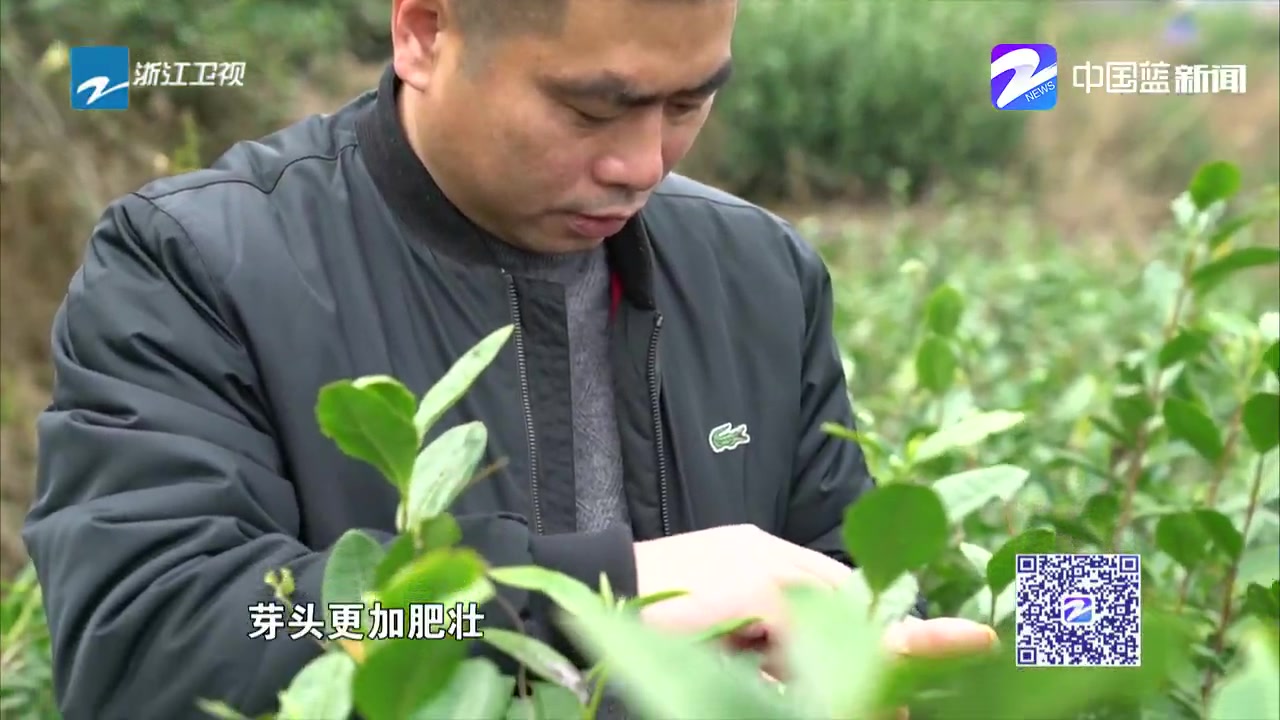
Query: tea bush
x: 877, y: 97
x: 1178, y: 465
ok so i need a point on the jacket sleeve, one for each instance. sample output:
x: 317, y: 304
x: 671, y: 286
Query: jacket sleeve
x: 829, y: 473
x: 162, y: 501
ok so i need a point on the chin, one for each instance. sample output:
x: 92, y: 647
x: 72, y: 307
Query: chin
x: 570, y: 243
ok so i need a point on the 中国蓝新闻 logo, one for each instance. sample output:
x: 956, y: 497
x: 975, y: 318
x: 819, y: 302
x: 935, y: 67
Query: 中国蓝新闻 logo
x: 1078, y: 610
x: 1024, y: 76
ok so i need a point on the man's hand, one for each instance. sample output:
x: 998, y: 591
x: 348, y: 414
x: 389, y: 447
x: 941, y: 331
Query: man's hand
x: 728, y: 572
x: 939, y: 637
x: 935, y: 638
x: 740, y: 571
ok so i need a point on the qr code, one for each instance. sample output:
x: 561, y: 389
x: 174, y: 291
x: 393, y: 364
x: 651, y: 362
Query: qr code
x: 1078, y: 610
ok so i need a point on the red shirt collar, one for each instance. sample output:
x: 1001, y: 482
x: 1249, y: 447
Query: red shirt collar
x: 615, y: 293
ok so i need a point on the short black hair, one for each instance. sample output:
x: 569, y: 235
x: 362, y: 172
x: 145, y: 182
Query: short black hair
x: 488, y: 20
x: 485, y: 22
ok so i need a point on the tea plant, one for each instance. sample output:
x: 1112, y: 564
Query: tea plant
x: 26, y: 692
x: 1203, y: 394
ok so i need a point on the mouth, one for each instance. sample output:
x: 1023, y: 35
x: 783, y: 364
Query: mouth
x: 623, y: 215
x: 598, y: 225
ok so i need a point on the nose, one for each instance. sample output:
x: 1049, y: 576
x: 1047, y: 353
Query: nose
x: 635, y: 162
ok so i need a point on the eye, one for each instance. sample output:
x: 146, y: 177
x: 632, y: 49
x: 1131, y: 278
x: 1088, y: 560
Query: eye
x: 686, y: 108
x: 590, y: 120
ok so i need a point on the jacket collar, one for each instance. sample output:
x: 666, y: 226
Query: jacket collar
x: 419, y: 203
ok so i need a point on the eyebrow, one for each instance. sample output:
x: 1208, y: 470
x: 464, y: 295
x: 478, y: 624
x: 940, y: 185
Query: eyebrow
x: 618, y: 90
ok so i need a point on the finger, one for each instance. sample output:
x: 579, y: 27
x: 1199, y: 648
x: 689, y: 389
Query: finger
x: 828, y: 571
x: 939, y: 637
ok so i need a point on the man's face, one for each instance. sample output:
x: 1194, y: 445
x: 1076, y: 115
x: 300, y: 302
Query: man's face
x: 552, y: 142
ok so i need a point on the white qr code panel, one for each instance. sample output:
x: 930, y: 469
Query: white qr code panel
x: 1078, y: 610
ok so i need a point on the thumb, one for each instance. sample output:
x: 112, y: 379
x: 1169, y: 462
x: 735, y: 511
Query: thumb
x: 939, y: 637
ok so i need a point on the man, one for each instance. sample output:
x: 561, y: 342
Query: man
x: 512, y: 167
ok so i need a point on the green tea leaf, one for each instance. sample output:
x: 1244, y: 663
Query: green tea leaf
x: 547, y: 701
x: 1101, y: 512
x: 1261, y: 418
x: 349, y: 573
x: 392, y: 391
x: 458, y: 380
x: 1190, y: 424
x: 477, y: 690
x: 567, y: 593
x: 895, y: 603
x: 965, y: 493
x: 1002, y: 568
x: 399, y: 553
x: 404, y: 674
x: 1069, y: 527
x: 1213, y: 182
x: 434, y: 533
x: 606, y: 589
x: 1132, y: 407
x: 935, y: 364
x: 639, y: 603
x: 828, y: 637
x: 219, y: 710
x: 1252, y: 690
x: 981, y: 602
x: 322, y: 690
x: 1183, y: 538
x: 1262, y: 603
x: 1113, y: 431
x: 365, y: 426
x: 969, y: 431
x: 1213, y: 273
x: 977, y: 556
x: 540, y: 658
x: 1228, y: 229
x: 943, y: 310
x: 642, y: 659
x: 895, y: 529
x: 842, y: 432
x: 439, y: 576
x: 724, y: 628
x: 438, y: 531
x: 1219, y: 528
x: 1184, y: 346
x: 1271, y: 358
x: 443, y: 470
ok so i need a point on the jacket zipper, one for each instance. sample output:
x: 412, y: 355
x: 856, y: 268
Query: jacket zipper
x: 514, y: 301
x: 655, y: 407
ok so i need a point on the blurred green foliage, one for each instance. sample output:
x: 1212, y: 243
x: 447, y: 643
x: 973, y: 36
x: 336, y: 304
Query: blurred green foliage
x: 873, y: 97
x: 1169, y: 455
x: 26, y: 675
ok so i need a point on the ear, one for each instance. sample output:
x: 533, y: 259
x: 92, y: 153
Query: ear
x: 416, y: 27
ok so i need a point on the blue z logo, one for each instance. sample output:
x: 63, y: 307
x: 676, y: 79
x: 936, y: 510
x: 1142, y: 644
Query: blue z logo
x: 1077, y: 609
